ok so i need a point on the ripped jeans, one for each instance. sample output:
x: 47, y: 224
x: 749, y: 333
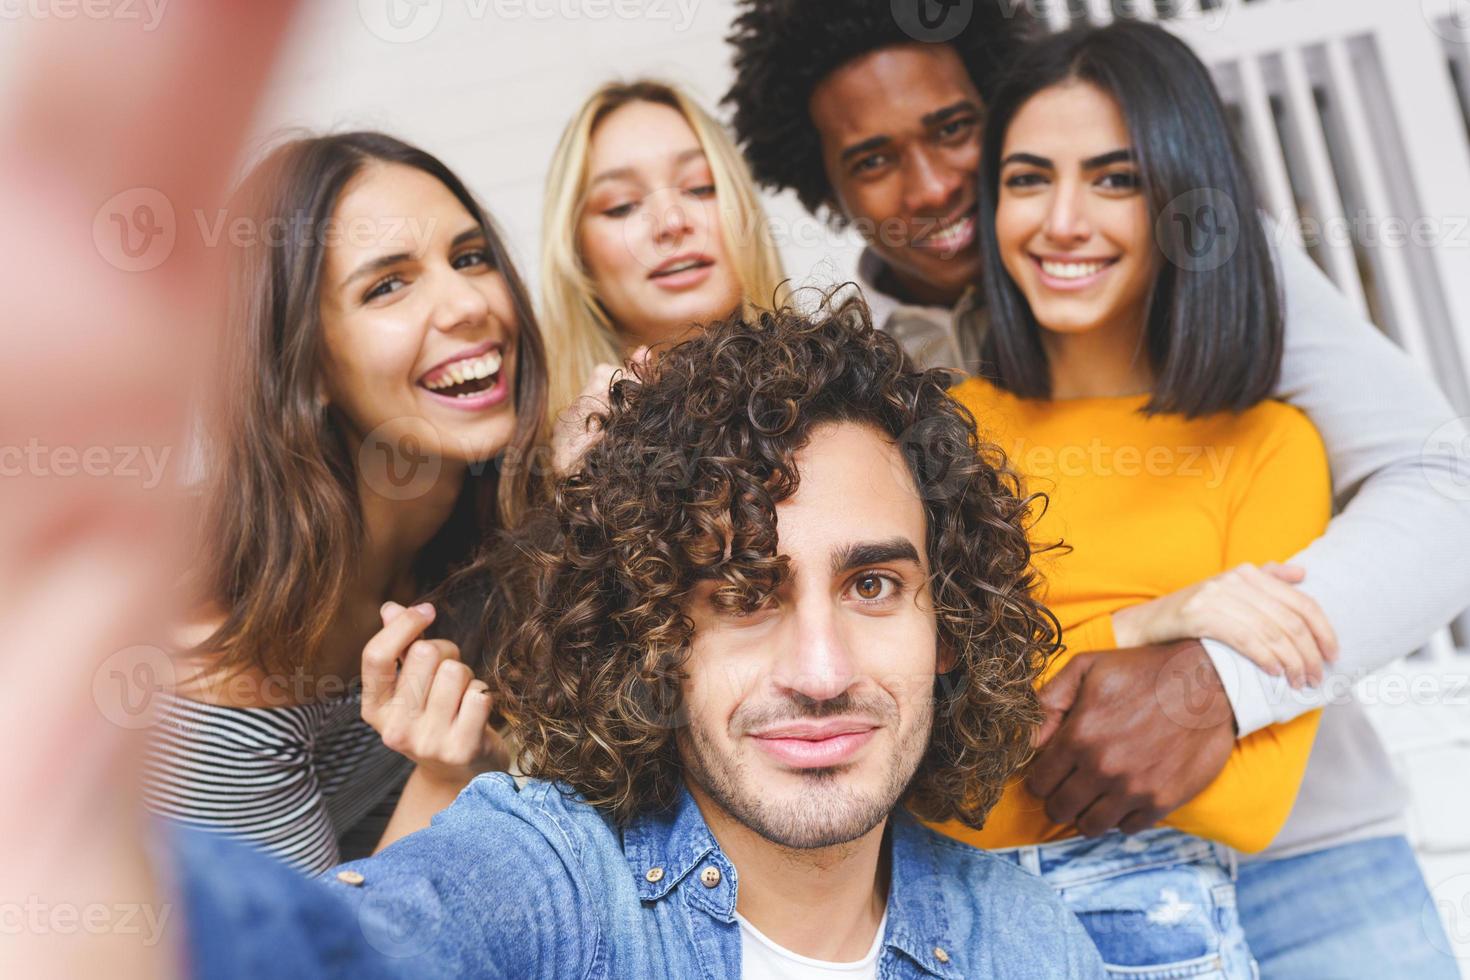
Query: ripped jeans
x: 1159, y: 905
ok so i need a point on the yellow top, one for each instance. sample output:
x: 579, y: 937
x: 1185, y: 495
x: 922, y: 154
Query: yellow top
x: 1150, y: 505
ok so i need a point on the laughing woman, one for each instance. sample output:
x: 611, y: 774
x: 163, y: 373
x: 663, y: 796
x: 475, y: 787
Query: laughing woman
x: 652, y: 226
x: 1129, y: 378
x: 380, y: 370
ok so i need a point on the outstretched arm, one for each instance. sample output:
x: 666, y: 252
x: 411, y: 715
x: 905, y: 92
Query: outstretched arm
x: 1394, y: 565
x: 99, y: 357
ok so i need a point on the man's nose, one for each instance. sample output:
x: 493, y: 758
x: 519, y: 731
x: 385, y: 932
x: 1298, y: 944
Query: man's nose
x: 821, y: 665
x: 929, y: 186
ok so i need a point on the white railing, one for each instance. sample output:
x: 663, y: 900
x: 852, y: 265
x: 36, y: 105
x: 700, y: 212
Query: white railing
x: 1355, y: 115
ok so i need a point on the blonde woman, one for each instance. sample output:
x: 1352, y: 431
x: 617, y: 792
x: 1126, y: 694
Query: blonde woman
x: 652, y: 227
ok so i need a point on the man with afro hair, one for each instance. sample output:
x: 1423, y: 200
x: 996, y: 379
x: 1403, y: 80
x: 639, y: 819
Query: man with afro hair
x: 873, y: 119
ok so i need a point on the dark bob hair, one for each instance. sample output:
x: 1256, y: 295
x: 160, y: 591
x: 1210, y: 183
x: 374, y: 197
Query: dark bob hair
x: 683, y: 488
x: 1214, y: 316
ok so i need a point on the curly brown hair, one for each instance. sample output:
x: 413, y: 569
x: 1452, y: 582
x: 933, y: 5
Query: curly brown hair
x: 683, y: 487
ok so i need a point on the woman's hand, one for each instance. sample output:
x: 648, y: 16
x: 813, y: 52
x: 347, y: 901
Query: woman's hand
x: 426, y: 703
x: 1256, y: 610
x: 573, y: 434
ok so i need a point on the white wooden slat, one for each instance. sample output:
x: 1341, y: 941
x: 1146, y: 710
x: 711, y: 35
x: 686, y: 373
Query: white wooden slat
x: 1185, y: 8
x: 1100, y: 12
x: 1271, y: 162
x: 1338, y: 254
x: 1421, y: 103
x: 1441, y: 648
x: 1398, y: 284
x: 1142, y: 10
x: 1058, y: 17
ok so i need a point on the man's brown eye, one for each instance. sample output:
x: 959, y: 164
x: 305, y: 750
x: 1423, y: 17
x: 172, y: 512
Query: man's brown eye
x: 870, y: 587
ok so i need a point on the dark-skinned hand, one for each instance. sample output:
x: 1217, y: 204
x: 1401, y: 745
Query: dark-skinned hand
x: 1130, y: 736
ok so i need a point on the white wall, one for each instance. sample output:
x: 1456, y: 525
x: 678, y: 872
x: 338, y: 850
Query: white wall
x: 489, y: 85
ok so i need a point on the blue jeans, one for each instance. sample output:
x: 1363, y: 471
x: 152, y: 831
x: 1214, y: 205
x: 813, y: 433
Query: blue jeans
x: 1358, y: 910
x: 1159, y: 905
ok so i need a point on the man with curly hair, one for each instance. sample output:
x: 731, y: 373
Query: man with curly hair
x: 785, y: 599
x: 872, y: 112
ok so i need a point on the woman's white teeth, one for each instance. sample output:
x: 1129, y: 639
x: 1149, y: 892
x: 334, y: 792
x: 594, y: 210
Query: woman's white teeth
x: 1072, y: 270
x: 681, y: 267
x: 471, y: 369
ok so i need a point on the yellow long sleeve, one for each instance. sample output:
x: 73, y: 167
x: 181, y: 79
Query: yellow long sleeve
x: 1148, y: 505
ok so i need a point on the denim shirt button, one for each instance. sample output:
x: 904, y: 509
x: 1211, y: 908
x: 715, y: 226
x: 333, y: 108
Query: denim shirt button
x: 710, y: 877
x: 940, y: 954
x: 654, y: 876
x: 350, y: 878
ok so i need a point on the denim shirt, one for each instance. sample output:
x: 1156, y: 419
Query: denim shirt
x: 533, y: 882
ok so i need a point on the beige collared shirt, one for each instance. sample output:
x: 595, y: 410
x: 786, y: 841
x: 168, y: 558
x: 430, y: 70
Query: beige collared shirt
x: 932, y: 336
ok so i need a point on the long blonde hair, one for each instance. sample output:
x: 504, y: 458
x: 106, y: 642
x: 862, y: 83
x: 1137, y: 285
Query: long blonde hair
x: 579, y: 333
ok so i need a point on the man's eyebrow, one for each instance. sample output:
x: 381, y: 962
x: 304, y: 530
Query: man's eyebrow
x: 866, y: 146
x: 862, y: 553
x: 941, y: 115
x: 929, y: 120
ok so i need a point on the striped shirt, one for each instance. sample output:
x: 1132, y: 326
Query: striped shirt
x: 312, y: 784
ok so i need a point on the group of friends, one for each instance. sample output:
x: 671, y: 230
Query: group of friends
x: 968, y: 620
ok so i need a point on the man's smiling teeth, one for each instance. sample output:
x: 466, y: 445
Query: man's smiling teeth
x: 1072, y: 270
x: 955, y: 233
x: 472, y: 369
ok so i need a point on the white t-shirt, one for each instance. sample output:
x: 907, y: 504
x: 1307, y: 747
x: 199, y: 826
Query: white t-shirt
x: 761, y: 959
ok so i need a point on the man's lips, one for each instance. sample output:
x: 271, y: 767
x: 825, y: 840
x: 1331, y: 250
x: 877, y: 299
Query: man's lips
x: 815, y: 745
x: 952, y: 235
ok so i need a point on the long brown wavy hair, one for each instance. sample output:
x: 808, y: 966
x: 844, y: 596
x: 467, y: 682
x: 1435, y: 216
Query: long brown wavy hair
x: 683, y: 487
x: 282, y: 524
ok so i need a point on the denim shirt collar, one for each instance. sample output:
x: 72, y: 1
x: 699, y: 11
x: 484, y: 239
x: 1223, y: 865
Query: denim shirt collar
x: 666, y: 847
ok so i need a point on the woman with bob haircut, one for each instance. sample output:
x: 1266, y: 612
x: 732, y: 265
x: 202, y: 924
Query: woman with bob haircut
x: 385, y: 377
x: 1128, y: 373
x: 651, y: 226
